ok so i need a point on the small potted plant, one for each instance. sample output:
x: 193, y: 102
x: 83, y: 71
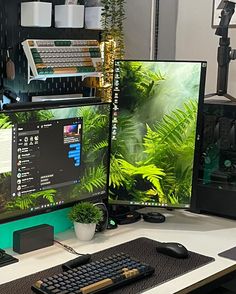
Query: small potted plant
x: 85, y: 216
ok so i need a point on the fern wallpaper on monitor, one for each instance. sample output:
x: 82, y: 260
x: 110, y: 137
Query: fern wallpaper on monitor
x: 93, y: 176
x: 152, y: 156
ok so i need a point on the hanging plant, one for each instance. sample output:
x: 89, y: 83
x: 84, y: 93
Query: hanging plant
x: 112, y: 40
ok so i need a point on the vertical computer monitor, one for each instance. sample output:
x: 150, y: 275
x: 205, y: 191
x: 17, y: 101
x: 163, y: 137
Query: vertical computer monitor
x: 52, y: 157
x: 155, y: 132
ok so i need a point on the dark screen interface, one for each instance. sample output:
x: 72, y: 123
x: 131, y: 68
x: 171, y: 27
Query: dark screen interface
x: 52, y: 157
x: 47, y: 155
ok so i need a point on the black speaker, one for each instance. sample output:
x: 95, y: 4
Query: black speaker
x: 102, y: 225
x: 33, y: 238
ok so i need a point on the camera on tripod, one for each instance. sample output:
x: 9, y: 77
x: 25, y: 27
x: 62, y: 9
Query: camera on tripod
x: 225, y: 52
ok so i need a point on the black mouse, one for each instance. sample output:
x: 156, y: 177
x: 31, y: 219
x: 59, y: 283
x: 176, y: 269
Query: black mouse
x: 173, y: 249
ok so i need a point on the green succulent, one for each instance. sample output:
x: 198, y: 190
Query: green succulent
x: 86, y: 213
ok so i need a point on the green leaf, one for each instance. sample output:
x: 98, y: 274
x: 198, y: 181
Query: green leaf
x: 85, y: 212
x: 94, y: 178
x: 26, y: 201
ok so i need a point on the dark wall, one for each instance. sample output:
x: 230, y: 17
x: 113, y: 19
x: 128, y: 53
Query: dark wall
x: 12, y: 34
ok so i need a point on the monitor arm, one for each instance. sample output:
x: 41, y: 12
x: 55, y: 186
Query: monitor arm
x: 225, y: 52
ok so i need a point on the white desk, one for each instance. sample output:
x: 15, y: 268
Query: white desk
x: 200, y: 233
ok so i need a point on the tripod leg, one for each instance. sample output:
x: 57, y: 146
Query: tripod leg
x: 231, y: 98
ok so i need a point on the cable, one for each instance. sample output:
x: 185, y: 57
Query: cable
x: 68, y: 248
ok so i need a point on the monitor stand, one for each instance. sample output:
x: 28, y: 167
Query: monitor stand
x: 123, y: 215
x: 147, y: 209
x: 127, y: 215
x: 152, y: 215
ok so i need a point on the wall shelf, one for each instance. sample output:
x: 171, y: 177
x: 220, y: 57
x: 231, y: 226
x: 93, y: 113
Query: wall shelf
x: 50, y: 76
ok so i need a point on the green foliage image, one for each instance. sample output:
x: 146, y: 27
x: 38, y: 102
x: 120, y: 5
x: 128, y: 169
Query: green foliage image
x: 30, y: 200
x: 92, y: 174
x: 5, y: 122
x: 94, y: 150
x: 152, y: 157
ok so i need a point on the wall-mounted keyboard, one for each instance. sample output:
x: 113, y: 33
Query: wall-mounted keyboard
x: 60, y: 58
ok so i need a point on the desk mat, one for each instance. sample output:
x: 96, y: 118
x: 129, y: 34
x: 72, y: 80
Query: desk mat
x: 230, y: 253
x: 166, y: 268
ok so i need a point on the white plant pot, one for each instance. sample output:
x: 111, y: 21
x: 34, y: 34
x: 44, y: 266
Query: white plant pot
x: 93, y: 18
x: 84, y: 232
x: 69, y: 16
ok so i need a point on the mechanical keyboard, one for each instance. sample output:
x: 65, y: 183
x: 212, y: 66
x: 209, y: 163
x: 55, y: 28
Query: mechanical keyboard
x: 99, y: 276
x: 51, y: 58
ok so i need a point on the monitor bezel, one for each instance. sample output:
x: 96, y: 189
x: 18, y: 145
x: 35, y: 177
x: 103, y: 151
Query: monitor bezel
x: 199, y: 135
x: 50, y: 104
x: 32, y: 106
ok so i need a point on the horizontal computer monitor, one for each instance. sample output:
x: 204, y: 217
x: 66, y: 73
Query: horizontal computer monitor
x: 155, y: 132
x: 52, y: 157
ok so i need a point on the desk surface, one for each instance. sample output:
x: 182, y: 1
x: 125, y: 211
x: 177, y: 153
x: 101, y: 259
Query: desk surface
x: 203, y: 234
